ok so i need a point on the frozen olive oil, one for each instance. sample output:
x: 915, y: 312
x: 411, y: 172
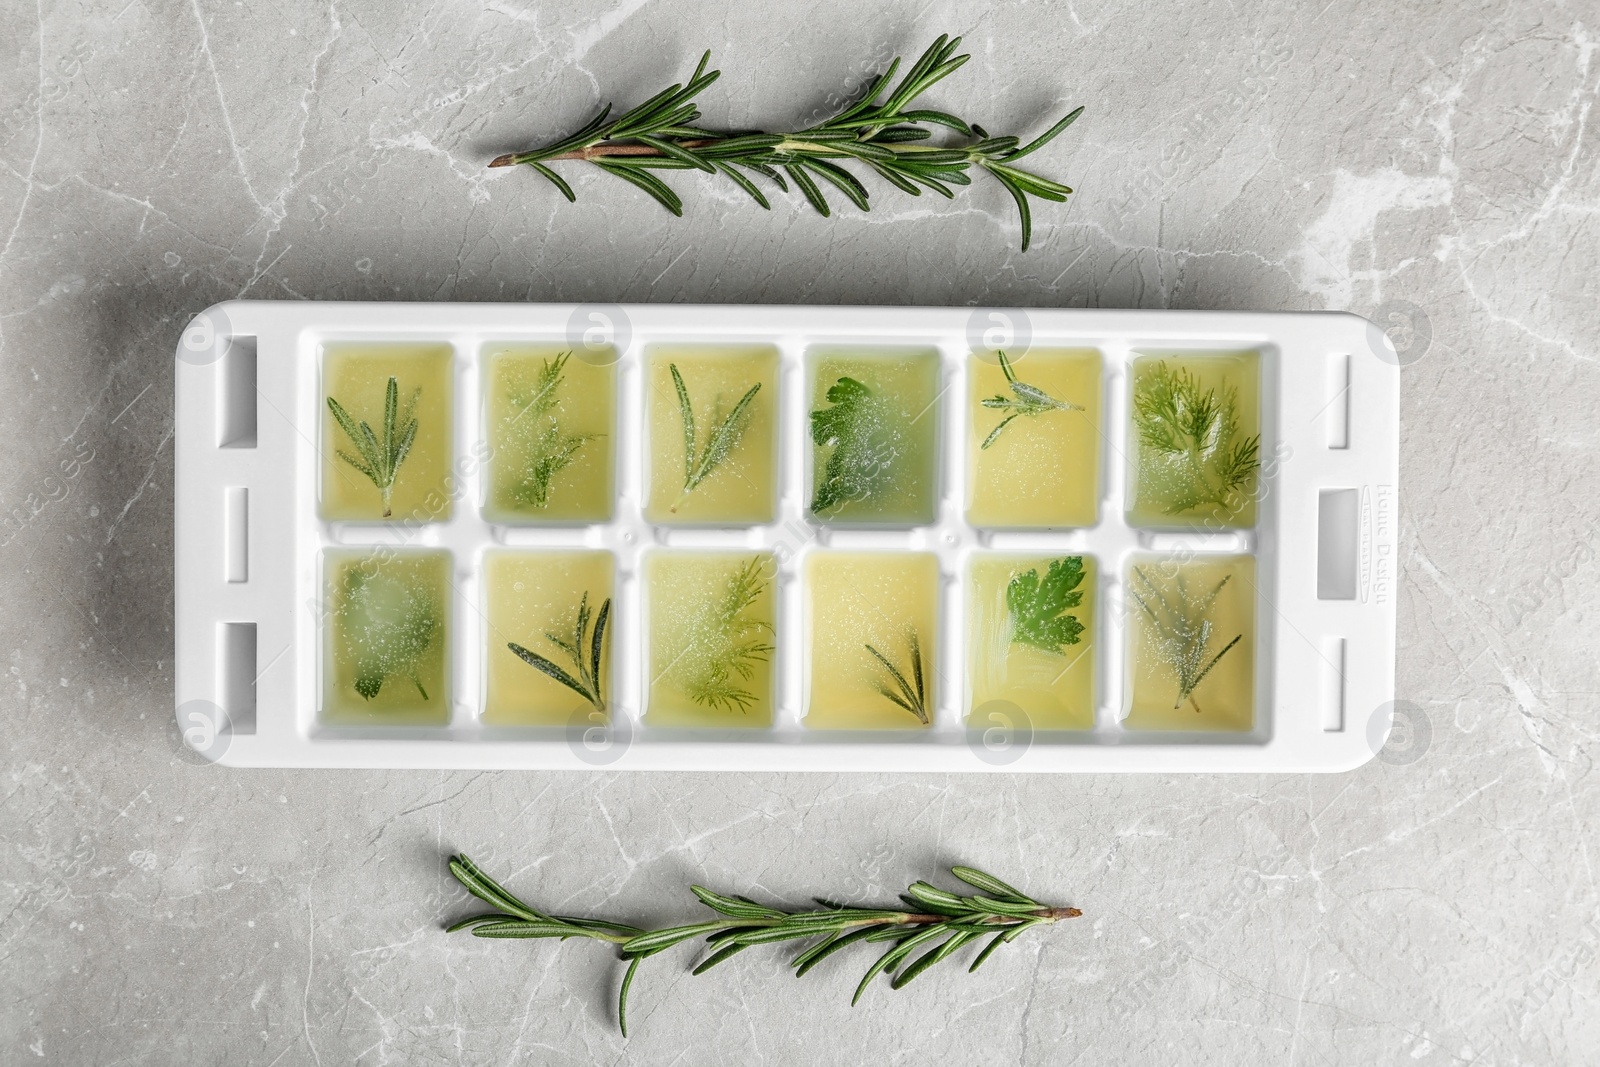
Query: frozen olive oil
x: 718, y: 464
x: 550, y: 416
x: 873, y: 621
x: 1033, y: 439
x: 1191, y: 634
x: 1030, y: 637
x: 712, y: 638
x: 874, y: 425
x: 1195, y: 440
x: 386, y: 637
x: 532, y: 596
x: 356, y: 377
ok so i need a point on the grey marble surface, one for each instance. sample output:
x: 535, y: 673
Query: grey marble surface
x: 1436, y: 907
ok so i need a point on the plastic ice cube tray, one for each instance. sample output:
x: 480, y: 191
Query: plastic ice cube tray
x: 250, y: 541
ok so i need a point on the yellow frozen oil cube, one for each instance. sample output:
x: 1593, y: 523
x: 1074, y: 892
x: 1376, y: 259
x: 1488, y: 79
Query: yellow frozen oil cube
x: 873, y: 623
x: 544, y: 610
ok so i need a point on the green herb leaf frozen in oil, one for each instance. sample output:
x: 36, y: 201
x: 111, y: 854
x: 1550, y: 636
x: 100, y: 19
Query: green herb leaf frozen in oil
x: 909, y: 691
x: 1038, y: 606
x: 726, y: 642
x: 1181, y: 628
x: 860, y: 427
x: 1191, y: 453
x: 388, y: 624
x: 1025, y: 401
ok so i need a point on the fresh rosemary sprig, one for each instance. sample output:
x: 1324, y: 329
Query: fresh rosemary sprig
x: 549, y: 449
x: 725, y: 642
x: 1025, y: 400
x: 1038, y: 608
x: 1182, y: 630
x: 908, y: 694
x: 389, y: 625
x: 880, y: 132
x: 379, y: 458
x: 942, y: 923
x: 723, y: 438
x: 1190, y: 450
x: 583, y: 649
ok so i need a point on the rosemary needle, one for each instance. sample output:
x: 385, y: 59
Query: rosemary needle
x: 882, y: 130
x: 940, y: 924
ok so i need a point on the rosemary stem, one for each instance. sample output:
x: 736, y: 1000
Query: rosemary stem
x: 1048, y: 915
x: 601, y: 151
x: 596, y: 151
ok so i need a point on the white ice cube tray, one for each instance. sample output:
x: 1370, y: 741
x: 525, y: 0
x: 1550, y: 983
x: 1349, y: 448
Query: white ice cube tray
x: 249, y: 539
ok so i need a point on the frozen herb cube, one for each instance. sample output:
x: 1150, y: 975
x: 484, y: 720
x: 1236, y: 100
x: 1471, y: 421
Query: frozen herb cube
x: 387, y: 636
x: 874, y: 430
x: 713, y: 635
x: 386, y: 432
x: 1191, y: 643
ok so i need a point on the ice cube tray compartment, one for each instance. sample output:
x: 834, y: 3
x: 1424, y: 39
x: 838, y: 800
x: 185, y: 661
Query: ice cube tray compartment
x: 1314, y: 597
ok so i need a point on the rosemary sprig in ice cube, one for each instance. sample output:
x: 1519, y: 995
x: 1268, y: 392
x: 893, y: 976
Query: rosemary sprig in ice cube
x: 723, y: 436
x: 379, y: 455
x: 583, y: 649
x: 909, y: 692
